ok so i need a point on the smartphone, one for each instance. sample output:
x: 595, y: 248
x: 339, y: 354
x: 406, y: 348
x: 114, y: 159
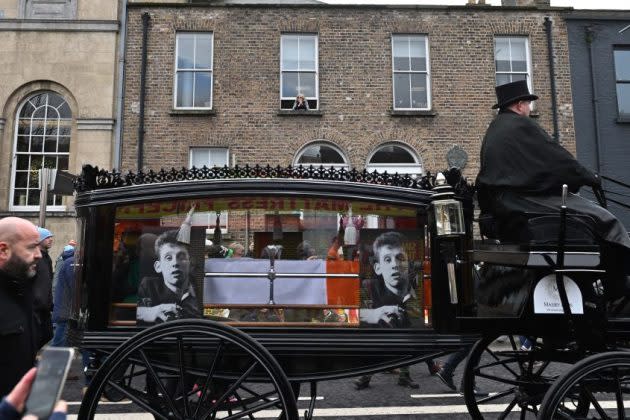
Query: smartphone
x: 51, y: 375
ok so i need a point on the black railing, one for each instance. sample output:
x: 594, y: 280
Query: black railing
x: 93, y: 178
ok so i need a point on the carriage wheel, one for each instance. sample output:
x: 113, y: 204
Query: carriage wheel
x: 194, y: 369
x: 602, y: 381
x: 512, y: 382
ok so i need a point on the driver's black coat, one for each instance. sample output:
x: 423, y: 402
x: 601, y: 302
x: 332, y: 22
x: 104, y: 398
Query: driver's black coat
x: 523, y: 169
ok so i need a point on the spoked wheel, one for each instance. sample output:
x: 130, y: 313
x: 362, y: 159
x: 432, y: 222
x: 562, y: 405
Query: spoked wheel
x: 601, y: 384
x: 194, y: 369
x: 511, y: 382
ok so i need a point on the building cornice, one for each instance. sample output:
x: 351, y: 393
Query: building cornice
x: 469, y: 8
x: 56, y: 25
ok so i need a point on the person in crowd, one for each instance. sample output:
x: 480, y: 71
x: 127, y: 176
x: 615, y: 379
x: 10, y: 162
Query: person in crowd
x: 306, y: 251
x: 134, y: 264
x: 19, y: 255
x: 523, y: 170
x: 392, y: 295
x: 12, y: 406
x: 269, y: 250
x: 170, y: 295
x: 62, y: 308
x: 250, y: 250
x: 42, y: 286
x: 447, y: 370
x: 68, y: 251
x: 335, y: 252
x: 62, y: 311
x: 65, y: 254
x: 218, y: 251
x: 300, y: 103
x: 237, y: 249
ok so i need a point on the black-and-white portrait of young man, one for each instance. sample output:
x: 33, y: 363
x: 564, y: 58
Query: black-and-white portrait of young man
x: 391, y: 290
x: 169, y: 294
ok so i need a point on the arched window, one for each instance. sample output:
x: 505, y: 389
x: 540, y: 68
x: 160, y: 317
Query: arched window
x: 321, y: 153
x: 394, y: 157
x: 42, y: 140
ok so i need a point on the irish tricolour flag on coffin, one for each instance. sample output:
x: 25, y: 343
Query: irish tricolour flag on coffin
x: 294, y: 290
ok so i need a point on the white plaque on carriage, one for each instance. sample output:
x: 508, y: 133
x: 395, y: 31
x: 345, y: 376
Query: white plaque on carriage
x: 547, y: 297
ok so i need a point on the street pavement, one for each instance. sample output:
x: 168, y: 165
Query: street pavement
x: 384, y: 399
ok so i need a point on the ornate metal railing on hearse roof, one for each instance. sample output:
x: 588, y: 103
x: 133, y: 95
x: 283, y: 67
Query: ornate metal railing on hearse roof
x: 93, y: 178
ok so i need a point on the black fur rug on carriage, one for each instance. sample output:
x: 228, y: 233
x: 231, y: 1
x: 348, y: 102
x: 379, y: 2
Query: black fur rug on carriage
x: 502, y: 290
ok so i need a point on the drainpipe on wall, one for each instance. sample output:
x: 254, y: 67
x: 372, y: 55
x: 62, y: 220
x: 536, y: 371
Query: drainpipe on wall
x: 552, y: 76
x: 143, y: 81
x: 120, y: 86
x: 589, y: 36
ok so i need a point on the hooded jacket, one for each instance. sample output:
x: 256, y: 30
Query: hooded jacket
x: 62, y: 310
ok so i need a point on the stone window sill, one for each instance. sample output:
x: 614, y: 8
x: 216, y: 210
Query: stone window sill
x: 427, y: 113
x: 300, y: 113
x: 623, y: 120
x: 192, y: 112
x: 35, y: 214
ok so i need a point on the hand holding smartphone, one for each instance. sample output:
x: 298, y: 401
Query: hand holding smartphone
x: 49, y: 381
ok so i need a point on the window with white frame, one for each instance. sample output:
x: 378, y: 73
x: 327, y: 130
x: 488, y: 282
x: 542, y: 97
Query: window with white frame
x: 42, y: 140
x: 622, y: 77
x: 193, y: 71
x: 210, y: 157
x: 394, y: 158
x: 298, y: 69
x: 410, y: 68
x: 321, y: 153
x: 512, y: 60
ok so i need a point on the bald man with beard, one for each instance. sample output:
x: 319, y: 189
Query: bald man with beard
x: 19, y: 334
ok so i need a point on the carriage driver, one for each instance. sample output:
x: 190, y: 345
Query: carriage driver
x: 171, y: 295
x: 523, y: 170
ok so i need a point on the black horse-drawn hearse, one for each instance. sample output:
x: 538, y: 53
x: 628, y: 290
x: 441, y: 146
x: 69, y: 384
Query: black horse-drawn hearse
x: 342, y: 273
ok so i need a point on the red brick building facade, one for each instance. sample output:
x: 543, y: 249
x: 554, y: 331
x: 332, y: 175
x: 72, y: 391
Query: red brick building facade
x: 354, y: 103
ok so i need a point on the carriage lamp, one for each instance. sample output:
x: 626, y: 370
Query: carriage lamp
x: 448, y: 218
x: 448, y: 213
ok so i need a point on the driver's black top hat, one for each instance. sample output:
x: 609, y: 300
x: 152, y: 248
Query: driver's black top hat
x: 512, y: 92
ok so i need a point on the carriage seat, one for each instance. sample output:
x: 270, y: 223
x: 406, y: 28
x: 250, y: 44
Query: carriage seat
x: 537, y: 229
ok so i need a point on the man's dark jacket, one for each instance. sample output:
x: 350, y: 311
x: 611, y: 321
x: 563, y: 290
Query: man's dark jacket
x: 517, y: 154
x: 42, y: 291
x: 523, y: 169
x: 19, y: 334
